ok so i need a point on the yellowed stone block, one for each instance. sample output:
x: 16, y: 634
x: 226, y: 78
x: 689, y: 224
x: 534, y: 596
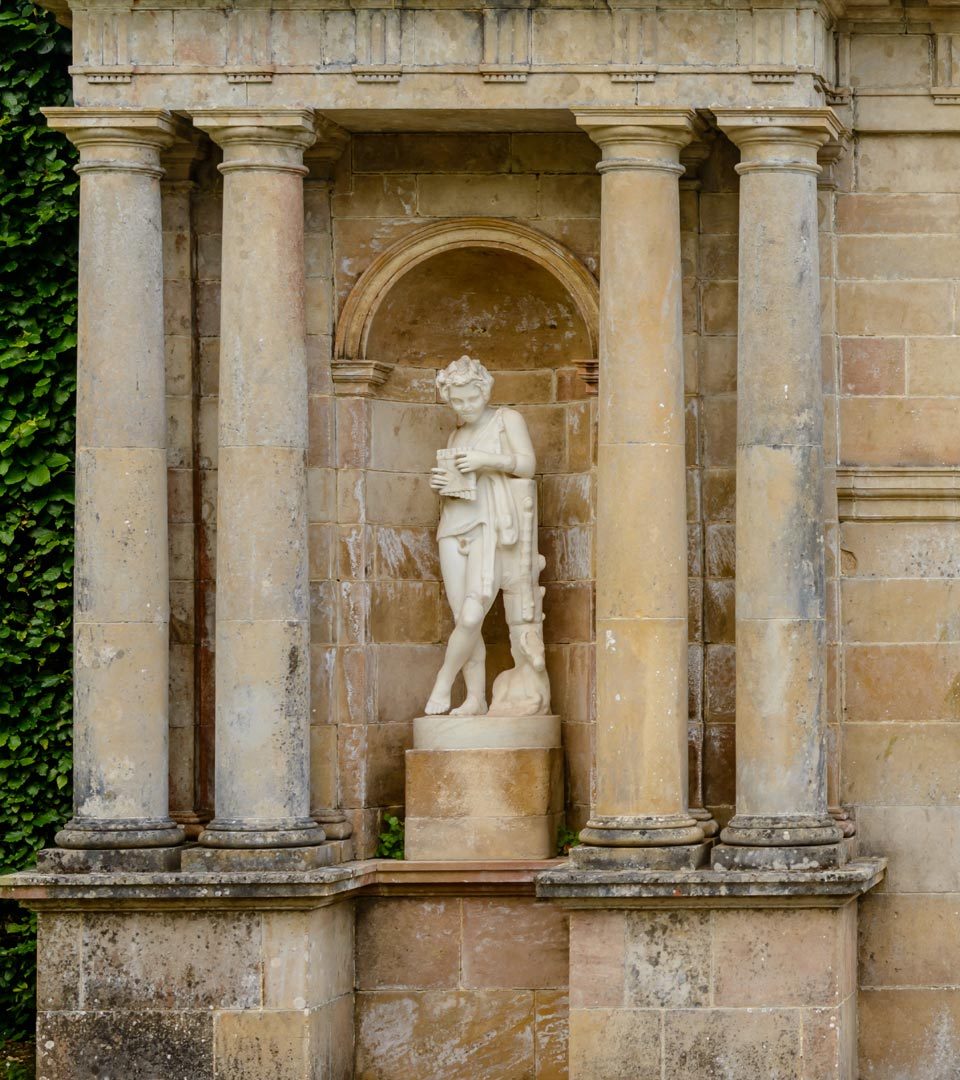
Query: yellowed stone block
x: 615, y: 1044
x: 895, y: 307
x: 446, y: 1034
x: 499, y: 196
x: 481, y: 838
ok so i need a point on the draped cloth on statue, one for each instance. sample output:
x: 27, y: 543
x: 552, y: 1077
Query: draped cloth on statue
x: 493, y: 512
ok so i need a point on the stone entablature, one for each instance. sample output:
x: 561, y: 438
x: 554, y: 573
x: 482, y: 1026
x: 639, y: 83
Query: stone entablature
x: 330, y: 48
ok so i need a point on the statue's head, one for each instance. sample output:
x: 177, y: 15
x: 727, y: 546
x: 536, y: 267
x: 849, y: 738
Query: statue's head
x: 465, y: 385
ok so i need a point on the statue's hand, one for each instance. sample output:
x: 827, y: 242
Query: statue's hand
x: 469, y: 461
x: 438, y: 480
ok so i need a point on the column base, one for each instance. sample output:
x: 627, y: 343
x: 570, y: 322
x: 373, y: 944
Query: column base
x: 641, y: 832
x: 108, y: 860
x: 334, y: 823
x: 676, y: 857
x: 705, y: 820
x: 241, y: 860
x: 746, y: 830
x: 299, y: 832
x: 844, y: 820
x: 96, y: 833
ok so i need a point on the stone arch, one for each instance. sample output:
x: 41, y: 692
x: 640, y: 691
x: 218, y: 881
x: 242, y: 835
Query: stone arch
x: 352, y: 365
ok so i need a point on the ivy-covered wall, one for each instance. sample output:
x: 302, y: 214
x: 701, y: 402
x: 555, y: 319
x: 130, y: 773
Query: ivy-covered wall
x: 38, y: 211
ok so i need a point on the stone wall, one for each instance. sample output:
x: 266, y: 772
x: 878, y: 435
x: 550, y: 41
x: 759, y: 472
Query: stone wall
x: 897, y: 276
x: 461, y: 986
x: 230, y: 994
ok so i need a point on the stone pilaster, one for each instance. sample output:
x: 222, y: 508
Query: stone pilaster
x: 640, y: 815
x: 781, y: 817
x: 262, y: 636
x: 326, y: 804
x: 121, y: 604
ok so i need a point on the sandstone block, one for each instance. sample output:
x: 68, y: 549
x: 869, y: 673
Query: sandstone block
x: 615, y: 1044
x: 494, y: 196
x: 551, y: 1034
x: 538, y: 953
x: 702, y: 1044
x: 148, y: 960
x: 481, y: 838
x: 413, y: 943
x: 239, y: 860
x: 446, y: 1034
x: 249, y: 1045
x: 872, y: 365
x: 801, y: 957
x: 177, y: 1045
x: 476, y: 783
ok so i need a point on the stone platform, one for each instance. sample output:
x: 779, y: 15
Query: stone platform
x: 484, y: 787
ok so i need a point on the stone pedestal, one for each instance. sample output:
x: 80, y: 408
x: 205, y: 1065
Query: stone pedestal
x: 707, y: 974
x: 484, y: 787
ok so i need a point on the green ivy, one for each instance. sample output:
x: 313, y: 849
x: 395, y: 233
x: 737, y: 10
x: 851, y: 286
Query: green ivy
x: 38, y: 210
x: 391, y: 839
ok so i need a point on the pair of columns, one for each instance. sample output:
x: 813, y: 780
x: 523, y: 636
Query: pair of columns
x: 641, y: 815
x: 121, y: 603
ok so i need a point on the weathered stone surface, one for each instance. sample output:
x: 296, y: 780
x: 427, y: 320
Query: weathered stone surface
x: 513, y: 944
x: 408, y: 943
x: 615, y: 1044
x: 216, y: 860
x: 178, y: 1045
x: 702, y: 1044
x: 148, y: 960
x: 128, y: 860
x: 441, y: 1035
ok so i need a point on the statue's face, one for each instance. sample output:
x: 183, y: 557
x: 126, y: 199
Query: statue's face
x: 468, y: 402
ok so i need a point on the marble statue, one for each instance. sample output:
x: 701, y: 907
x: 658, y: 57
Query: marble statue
x: 488, y: 543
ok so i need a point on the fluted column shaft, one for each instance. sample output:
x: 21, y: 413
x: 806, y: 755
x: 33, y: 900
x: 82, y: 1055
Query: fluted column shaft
x: 262, y: 634
x: 641, y: 737
x: 121, y: 598
x: 780, y: 595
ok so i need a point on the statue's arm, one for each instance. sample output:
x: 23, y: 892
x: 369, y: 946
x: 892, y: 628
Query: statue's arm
x: 524, y: 463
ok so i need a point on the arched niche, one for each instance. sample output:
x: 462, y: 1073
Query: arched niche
x: 358, y: 370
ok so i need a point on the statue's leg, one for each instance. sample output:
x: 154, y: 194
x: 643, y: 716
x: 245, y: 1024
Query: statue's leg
x: 453, y: 569
x: 462, y: 646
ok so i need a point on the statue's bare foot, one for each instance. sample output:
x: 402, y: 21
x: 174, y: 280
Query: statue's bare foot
x: 438, y: 704
x: 473, y: 706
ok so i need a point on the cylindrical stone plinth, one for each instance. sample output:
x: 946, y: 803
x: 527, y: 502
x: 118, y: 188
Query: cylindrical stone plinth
x: 121, y: 599
x: 780, y: 634
x: 262, y: 781
x: 641, y: 734
x: 483, y: 787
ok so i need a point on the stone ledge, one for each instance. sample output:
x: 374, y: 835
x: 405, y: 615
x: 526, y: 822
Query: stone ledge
x: 710, y: 888
x: 898, y: 493
x: 261, y: 889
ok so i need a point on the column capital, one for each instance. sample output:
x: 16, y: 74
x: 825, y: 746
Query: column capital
x: 117, y: 140
x: 780, y: 139
x: 640, y: 137
x: 326, y: 151
x: 259, y: 138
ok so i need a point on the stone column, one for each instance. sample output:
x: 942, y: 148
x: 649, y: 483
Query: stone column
x: 263, y: 635
x: 640, y: 816
x: 121, y: 603
x: 781, y: 819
